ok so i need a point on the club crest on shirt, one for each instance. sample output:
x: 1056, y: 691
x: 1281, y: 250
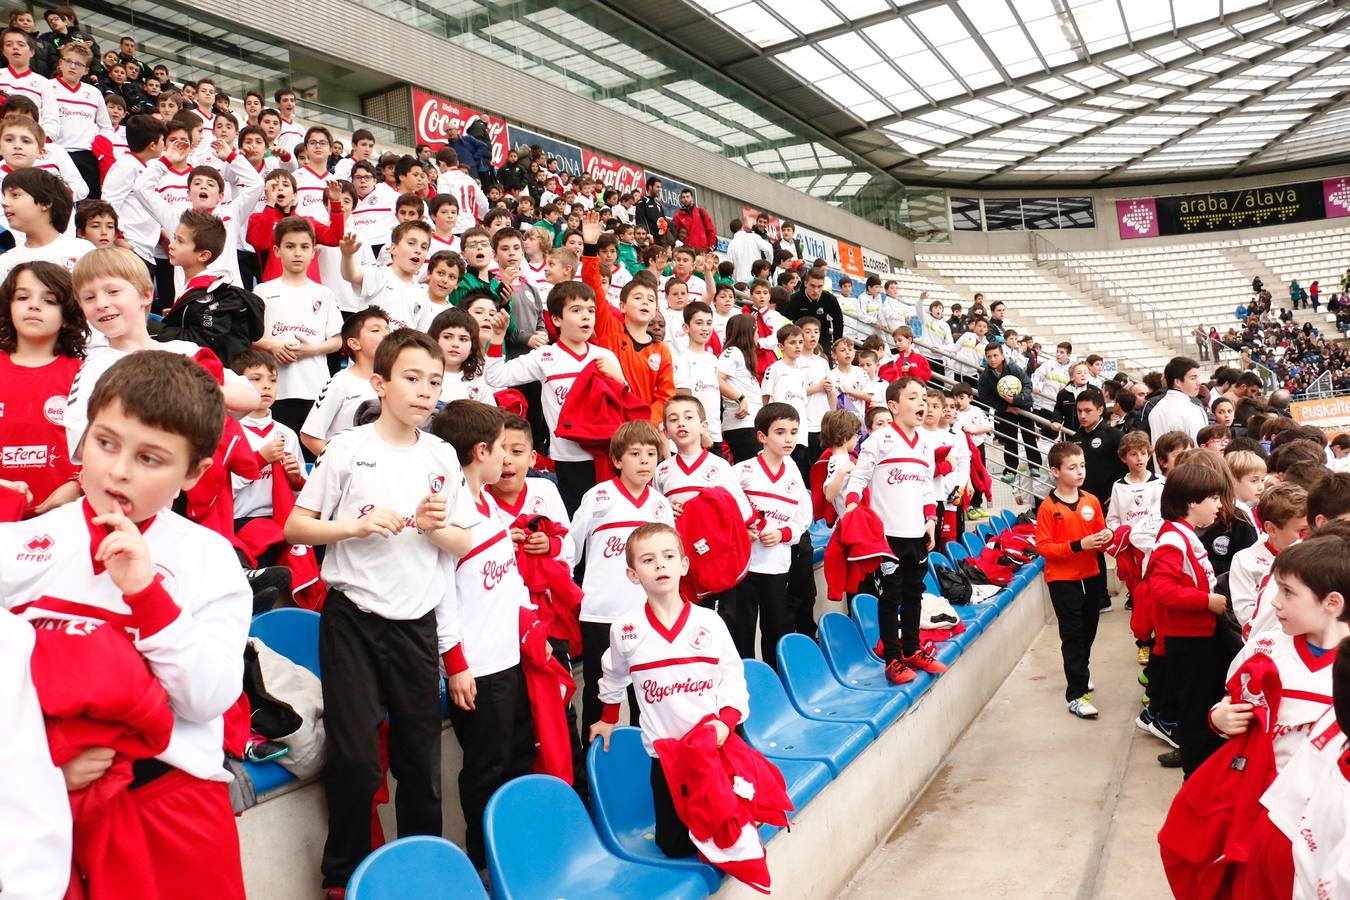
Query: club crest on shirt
x: 54, y: 410
x: 1088, y: 513
x: 317, y: 304
x: 165, y: 575
x: 653, y: 362
x: 700, y: 638
x: 436, y: 482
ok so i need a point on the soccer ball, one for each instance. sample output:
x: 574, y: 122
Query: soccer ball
x: 1009, y: 386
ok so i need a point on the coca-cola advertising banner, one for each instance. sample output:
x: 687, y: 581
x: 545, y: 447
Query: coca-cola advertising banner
x: 435, y: 118
x: 567, y: 155
x: 613, y: 173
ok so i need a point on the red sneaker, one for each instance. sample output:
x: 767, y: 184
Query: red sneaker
x: 925, y: 660
x: 898, y: 673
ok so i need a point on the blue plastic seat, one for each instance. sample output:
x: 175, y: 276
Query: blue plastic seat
x: 865, y: 617
x: 985, y: 529
x: 621, y: 805
x: 820, y: 538
x: 816, y: 694
x: 852, y: 662
x: 955, y: 551
x: 293, y: 633
x: 542, y: 845
x: 805, y: 778
x: 421, y: 866
x: 974, y: 544
x: 778, y: 731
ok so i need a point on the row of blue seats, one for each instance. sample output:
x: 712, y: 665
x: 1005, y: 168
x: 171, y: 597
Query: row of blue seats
x: 823, y: 707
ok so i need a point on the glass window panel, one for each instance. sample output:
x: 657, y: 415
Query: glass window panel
x: 966, y: 214
x: 1003, y: 214
x: 1040, y: 214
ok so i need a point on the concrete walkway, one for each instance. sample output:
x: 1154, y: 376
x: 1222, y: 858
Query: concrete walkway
x: 1034, y: 803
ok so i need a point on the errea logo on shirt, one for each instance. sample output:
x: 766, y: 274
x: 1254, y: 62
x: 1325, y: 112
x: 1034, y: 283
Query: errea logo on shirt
x: 36, y: 549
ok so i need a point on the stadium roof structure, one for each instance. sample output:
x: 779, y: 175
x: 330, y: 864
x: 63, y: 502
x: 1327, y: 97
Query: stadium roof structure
x: 1010, y: 93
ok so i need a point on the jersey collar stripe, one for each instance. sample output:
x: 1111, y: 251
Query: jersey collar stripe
x: 679, y: 661
x: 668, y: 633
x: 577, y: 356
x: 903, y: 459
x: 765, y: 466
x: 496, y: 538
x: 607, y: 525
x: 97, y: 533
x: 691, y: 469
x: 770, y: 496
x: 1314, y: 663
x: 509, y: 508
x: 636, y: 501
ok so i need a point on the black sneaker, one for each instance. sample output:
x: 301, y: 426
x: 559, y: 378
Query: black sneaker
x: 276, y: 577
x: 1129, y: 603
x: 1170, y: 760
x: 1163, y: 731
x: 1105, y: 604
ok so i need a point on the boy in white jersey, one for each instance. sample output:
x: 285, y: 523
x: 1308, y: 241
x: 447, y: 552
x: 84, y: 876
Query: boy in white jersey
x: 1136, y: 500
x: 785, y: 382
x: 18, y: 77
x: 206, y: 190
x: 73, y: 112
x: 373, y: 215
x: 782, y: 504
x: 896, y: 464
x: 691, y: 469
x: 669, y: 643
x: 121, y: 556
x: 145, y: 142
x: 393, y: 288
x: 1310, y: 607
x: 572, y: 307
x: 301, y: 322
x: 517, y: 493
x: 608, y: 513
x: 1283, y: 513
x: 335, y: 409
x: 37, y: 204
x: 23, y: 145
x: 458, y: 183
x: 270, y: 439
x: 386, y: 499
x: 696, y: 368
x: 821, y: 390
x: 444, y: 212
x: 494, y: 625
x: 850, y: 381
x: 973, y: 421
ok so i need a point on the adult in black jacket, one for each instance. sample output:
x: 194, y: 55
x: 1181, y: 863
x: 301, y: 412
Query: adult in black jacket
x: 811, y: 299
x: 1100, y: 443
x: 649, y: 212
x: 1008, y: 424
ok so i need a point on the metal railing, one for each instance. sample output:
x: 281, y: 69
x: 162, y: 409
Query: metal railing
x: 387, y: 136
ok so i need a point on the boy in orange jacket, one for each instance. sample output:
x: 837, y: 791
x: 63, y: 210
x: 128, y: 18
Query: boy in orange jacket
x: 1070, y: 532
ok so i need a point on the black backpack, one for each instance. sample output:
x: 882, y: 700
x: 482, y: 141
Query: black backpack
x: 955, y: 585
x: 223, y: 318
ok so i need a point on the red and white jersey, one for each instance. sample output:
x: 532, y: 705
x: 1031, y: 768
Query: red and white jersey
x: 56, y: 160
x: 555, y: 367
x: 454, y: 387
x: 1138, y: 505
x: 335, y: 409
x: 1246, y: 573
x: 617, y: 279
x: 538, y: 497
x: 682, y: 478
x: 697, y: 284
x: 117, y: 140
x: 254, y: 498
x: 311, y: 194
x: 782, y: 502
x: 27, y: 84
x: 308, y: 313
x: 785, y: 382
x: 439, y: 243
x: 373, y: 217
x: 899, y: 471
x: 208, y: 127
x: 537, y: 276
x: 732, y: 364
x: 291, y: 134
x: 427, y: 311
x: 73, y: 116
x: 605, y: 518
x: 1321, y: 849
x: 697, y: 374
x: 382, y: 287
x: 32, y: 423
x: 1308, y: 771
x: 1305, y: 682
x: 134, y: 219
x: 484, y: 617
x: 1263, y: 618
x: 815, y: 367
x: 400, y: 577
x: 35, y: 826
x: 464, y: 188
x: 681, y: 674
x: 65, y: 251
x: 49, y: 573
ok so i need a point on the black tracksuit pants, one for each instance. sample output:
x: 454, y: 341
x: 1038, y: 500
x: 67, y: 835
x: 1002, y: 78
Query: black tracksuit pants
x: 902, y: 593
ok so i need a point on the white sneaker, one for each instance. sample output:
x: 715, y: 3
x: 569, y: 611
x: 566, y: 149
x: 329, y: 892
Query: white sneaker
x: 1091, y: 687
x: 1083, y: 708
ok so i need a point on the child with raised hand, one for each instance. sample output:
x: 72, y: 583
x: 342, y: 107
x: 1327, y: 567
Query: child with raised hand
x: 387, y: 499
x: 1070, y: 533
x: 123, y: 557
x: 42, y: 340
x: 457, y: 334
x: 393, y: 288
x: 1186, y: 608
x: 301, y: 323
x: 607, y: 514
x: 648, y: 637
x: 897, y: 466
x: 335, y: 409
x: 738, y: 382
